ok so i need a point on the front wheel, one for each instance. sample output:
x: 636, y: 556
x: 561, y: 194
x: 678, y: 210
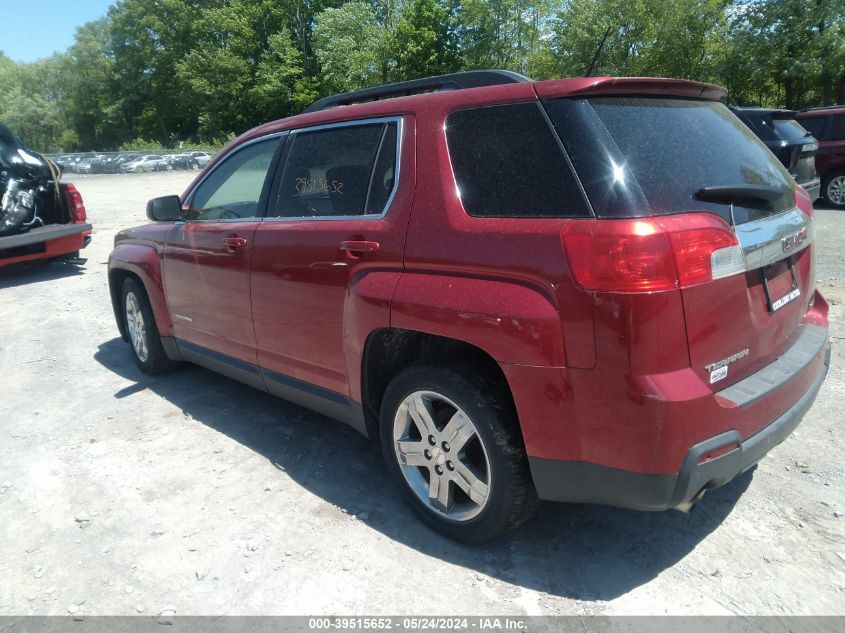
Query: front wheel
x: 142, y: 330
x: 451, y: 442
x: 834, y: 189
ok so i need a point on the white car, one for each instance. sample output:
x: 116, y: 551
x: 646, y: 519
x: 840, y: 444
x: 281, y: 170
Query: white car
x: 202, y: 158
x: 148, y: 162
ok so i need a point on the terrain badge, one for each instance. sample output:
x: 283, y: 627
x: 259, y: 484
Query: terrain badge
x: 719, y: 370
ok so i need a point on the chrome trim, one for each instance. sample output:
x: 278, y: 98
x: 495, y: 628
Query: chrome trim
x: 369, y: 216
x: 762, y: 241
x: 249, y: 143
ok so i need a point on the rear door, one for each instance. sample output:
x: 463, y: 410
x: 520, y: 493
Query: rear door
x: 690, y: 155
x: 336, y: 223
x: 207, y: 258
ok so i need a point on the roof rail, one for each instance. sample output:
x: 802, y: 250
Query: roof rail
x: 453, y: 81
x: 827, y: 107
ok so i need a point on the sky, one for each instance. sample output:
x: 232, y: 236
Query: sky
x: 32, y: 29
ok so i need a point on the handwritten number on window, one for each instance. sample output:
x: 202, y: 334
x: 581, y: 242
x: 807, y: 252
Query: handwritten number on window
x: 308, y: 185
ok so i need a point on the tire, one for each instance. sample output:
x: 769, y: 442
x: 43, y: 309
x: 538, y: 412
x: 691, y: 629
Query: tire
x: 144, y: 339
x: 488, y: 461
x: 833, y: 189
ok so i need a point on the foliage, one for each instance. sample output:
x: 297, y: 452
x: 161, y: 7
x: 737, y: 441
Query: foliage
x: 154, y: 75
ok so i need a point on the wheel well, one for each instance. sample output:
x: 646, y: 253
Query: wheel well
x: 388, y: 351
x: 116, y: 278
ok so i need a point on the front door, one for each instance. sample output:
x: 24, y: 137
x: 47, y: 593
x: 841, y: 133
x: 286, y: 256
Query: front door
x: 207, y: 258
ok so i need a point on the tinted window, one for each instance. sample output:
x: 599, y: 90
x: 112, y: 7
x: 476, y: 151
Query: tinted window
x: 330, y: 172
x: 669, y: 149
x: 762, y: 124
x: 384, y: 174
x: 233, y: 189
x: 790, y: 130
x: 837, y: 132
x: 508, y: 163
x: 815, y: 125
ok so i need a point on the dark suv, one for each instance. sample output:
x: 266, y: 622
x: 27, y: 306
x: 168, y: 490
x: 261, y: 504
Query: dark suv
x: 794, y: 146
x: 590, y: 290
x: 828, y: 126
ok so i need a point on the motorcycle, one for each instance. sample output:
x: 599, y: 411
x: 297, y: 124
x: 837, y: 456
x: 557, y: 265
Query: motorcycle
x: 29, y: 185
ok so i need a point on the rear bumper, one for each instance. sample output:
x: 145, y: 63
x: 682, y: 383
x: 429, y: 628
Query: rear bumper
x: 708, y: 463
x: 44, y: 242
x: 814, y: 188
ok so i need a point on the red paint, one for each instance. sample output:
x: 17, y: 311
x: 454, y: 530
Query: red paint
x: 52, y: 248
x: 831, y: 154
x: 600, y: 372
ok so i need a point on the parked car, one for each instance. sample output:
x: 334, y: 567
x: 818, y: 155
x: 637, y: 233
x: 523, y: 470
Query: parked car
x: 41, y: 218
x: 828, y: 126
x: 794, y: 146
x: 587, y: 290
x: 179, y: 161
x: 202, y: 158
x: 147, y: 162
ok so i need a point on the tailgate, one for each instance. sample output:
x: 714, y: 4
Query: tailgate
x: 672, y: 157
x: 41, y: 234
x: 741, y: 323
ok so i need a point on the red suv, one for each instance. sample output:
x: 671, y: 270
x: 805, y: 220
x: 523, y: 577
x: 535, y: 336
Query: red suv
x: 828, y: 126
x: 589, y: 290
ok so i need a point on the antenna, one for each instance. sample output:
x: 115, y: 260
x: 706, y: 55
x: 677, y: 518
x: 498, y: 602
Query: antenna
x: 598, y: 52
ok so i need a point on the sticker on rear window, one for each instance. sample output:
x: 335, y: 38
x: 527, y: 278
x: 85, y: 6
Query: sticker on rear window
x: 718, y: 374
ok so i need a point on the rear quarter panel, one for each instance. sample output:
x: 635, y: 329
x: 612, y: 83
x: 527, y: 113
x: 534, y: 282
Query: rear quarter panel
x: 500, y: 284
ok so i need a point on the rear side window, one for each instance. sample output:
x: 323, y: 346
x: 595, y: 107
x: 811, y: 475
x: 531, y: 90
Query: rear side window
x: 342, y: 171
x: 508, y: 163
x: 669, y: 149
x: 815, y: 125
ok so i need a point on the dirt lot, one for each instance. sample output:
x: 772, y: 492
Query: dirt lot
x: 124, y: 494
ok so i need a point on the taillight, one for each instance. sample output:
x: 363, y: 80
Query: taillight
x: 76, y: 207
x: 803, y: 202
x: 651, y: 254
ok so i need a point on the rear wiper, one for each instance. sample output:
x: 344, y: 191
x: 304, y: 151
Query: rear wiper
x: 739, y: 194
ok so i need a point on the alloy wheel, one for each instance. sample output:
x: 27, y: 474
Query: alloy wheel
x: 136, y: 326
x: 836, y: 190
x: 442, y: 456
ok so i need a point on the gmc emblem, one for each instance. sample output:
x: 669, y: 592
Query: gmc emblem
x: 792, y: 241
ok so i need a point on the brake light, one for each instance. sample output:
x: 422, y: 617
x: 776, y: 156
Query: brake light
x: 651, y: 254
x: 76, y: 207
x: 803, y: 202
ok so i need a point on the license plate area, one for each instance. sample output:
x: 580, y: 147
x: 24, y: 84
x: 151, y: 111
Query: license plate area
x: 780, y: 284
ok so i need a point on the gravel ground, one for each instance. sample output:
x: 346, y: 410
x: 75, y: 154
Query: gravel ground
x: 125, y: 494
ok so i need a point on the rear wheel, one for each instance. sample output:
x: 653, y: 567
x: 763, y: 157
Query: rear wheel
x: 141, y: 327
x: 834, y: 189
x: 451, y: 442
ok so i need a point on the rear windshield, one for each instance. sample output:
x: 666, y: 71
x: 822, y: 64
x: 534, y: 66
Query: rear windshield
x: 650, y: 155
x: 791, y: 130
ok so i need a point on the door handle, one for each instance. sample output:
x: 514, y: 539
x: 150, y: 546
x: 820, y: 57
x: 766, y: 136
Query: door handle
x: 234, y: 243
x: 359, y: 246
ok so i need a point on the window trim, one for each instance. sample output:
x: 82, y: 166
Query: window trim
x: 271, y: 172
x: 399, y: 120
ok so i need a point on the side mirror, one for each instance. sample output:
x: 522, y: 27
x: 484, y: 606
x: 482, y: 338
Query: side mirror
x: 166, y: 208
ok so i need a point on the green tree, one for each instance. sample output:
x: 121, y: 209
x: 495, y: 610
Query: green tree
x: 672, y: 38
x: 423, y: 42
x: 243, y: 68
x: 348, y: 41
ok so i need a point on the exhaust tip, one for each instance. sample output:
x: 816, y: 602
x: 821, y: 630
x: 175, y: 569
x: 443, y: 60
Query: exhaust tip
x: 687, y: 506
